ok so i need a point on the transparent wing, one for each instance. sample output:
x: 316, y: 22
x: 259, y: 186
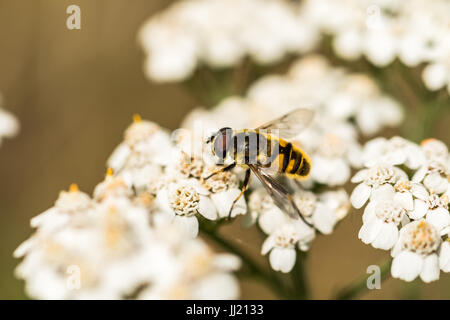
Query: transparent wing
x: 281, y: 197
x: 291, y: 124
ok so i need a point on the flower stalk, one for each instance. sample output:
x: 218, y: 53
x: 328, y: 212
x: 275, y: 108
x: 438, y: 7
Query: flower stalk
x: 253, y: 270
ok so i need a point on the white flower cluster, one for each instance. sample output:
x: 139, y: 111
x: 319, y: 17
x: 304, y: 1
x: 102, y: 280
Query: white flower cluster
x: 150, y: 161
x: 221, y: 33
x: 115, y: 246
x: 415, y: 31
x: 285, y: 234
x: 340, y: 100
x: 9, y: 126
x: 408, y: 190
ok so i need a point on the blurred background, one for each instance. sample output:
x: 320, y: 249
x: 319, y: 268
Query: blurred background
x: 75, y: 91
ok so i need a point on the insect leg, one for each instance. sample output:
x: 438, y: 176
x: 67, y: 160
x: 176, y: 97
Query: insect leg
x: 224, y: 169
x: 243, y: 189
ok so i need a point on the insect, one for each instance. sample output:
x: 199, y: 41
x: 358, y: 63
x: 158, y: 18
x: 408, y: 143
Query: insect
x: 264, y: 151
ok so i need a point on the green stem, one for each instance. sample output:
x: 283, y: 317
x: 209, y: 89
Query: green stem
x: 426, y: 122
x: 360, y: 286
x: 253, y: 269
x: 300, y: 290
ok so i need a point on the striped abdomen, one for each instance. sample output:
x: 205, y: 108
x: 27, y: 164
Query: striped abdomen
x: 292, y: 161
x: 281, y: 156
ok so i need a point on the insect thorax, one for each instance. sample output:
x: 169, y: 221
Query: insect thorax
x: 254, y: 147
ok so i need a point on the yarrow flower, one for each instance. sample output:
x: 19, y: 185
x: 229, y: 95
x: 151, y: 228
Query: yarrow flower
x: 151, y: 161
x: 415, y: 254
x: 111, y: 247
x: 384, y: 30
x: 405, y: 213
x: 285, y: 233
x: 220, y: 33
x: 331, y: 141
x: 140, y: 157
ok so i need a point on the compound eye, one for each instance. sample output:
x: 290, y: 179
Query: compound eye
x: 221, y: 143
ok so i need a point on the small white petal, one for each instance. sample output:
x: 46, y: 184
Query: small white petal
x: 419, y: 191
x: 271, y: 220
x: 387, y: 237
x: 444, y: 257
x: 23, y: 248
x: 227, y: 262
x: 369, y: 211
x: 268, y: 245
x: 162, y: 201
x: 407, y: 266
x: 359, y: 176
x: 224, y: 200
x: 370, y: 230
x: 420, y: 174
x: 405, y: 199
x: 360, y: 195
x: 282, y: 259
x: 439, y: 218
x: 217, y: 286
x: 420, y: 209
x: 207, y: 209
x: 435, y: 75
x: 119, y: 157
x: 430, y: 270
x: 382, y: 193
x: 396, y: 157
x: 189, y: 225
x: 436, y: 183
x: 324, y: 219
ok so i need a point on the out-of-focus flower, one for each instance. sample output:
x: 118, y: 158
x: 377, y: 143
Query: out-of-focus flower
x: 111, y: 248
x: 195, y: 272
x: 221, y: 33
x: 436, y: 75
x: 337, y: 98
x: 9, y: 125
x: 383, y: 30
x: 418, y: 206
x: 358, y: 97
x: 149, y: 161
x: 140, y: 157
x: 69, y: 205
x: 331, y: 141
x: 393, y: 151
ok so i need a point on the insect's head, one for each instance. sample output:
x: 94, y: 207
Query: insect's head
x: 221, y: 142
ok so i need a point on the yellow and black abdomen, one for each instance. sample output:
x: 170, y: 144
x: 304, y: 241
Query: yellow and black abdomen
x: 292, y: 161
x: 270, y: 152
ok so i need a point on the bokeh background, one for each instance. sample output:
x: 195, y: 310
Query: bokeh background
x: 74, y: 92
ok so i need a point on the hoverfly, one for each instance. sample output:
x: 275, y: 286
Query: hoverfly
x: 267, y: 150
